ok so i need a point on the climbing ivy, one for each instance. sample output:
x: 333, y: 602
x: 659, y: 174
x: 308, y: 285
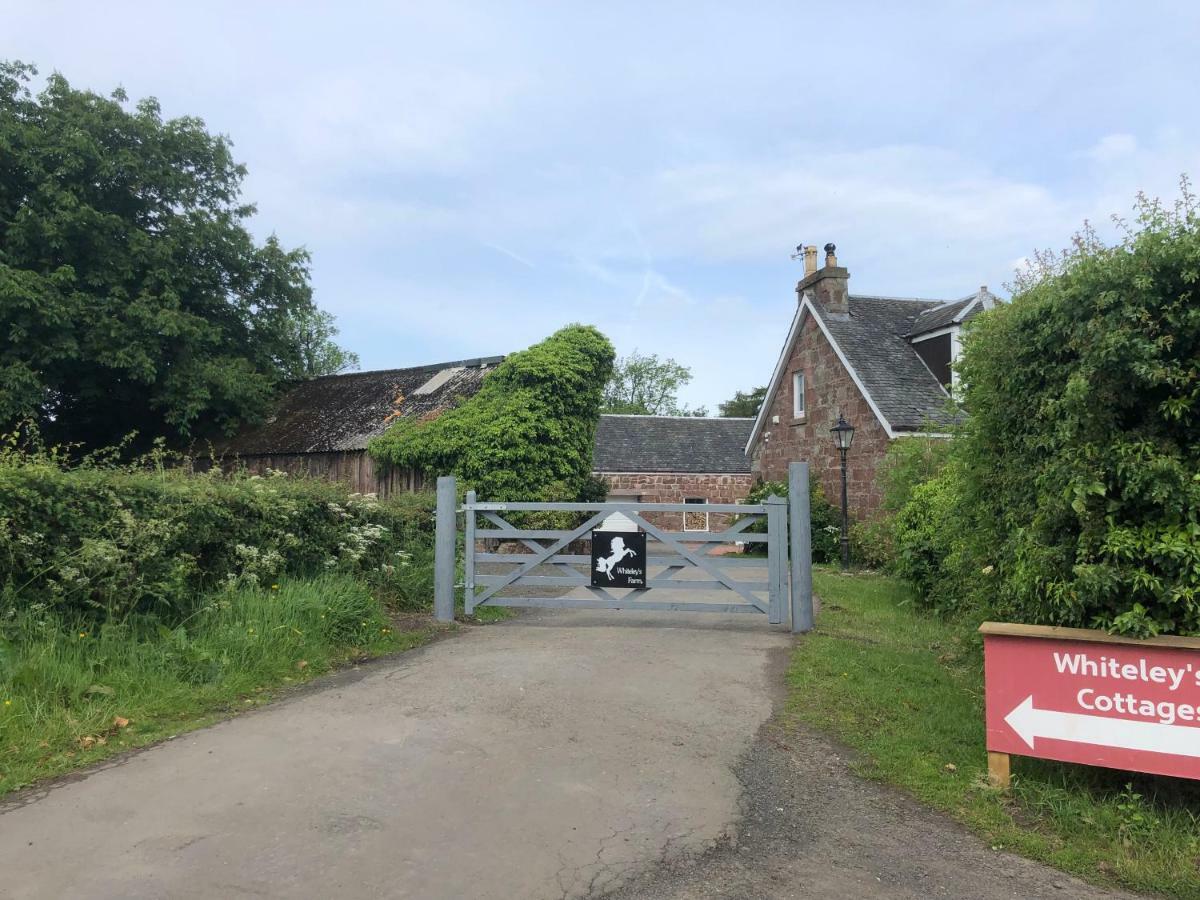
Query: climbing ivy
x: 527, y: 434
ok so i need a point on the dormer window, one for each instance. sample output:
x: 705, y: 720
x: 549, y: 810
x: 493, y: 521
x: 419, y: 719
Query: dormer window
x: 937, y: 351
x: 798, y: 411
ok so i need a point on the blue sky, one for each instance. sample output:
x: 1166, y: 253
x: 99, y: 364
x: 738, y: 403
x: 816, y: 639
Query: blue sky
x: 469, y: 177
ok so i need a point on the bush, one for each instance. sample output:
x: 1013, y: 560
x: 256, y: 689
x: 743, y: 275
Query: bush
x: 826, y: 519
x: 1081, y: 458
x: 111, y: 542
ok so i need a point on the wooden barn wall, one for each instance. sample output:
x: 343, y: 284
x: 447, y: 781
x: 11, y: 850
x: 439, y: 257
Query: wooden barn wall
x: 354, y: 468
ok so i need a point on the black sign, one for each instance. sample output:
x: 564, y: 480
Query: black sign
x: 619, y: 559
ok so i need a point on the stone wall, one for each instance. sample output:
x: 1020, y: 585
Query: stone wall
x: 830, y: 390
x: 652, y: 487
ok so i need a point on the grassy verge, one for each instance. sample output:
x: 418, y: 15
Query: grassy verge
x: 71, y: 696
x: 906, y: 690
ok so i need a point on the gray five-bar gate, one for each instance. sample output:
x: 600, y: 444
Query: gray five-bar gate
x: 506, y: 563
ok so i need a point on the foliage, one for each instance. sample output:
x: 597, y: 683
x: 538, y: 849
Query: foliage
x: 312, y: 332
x: 744, y: 404
x: 132, y: 295
x: 642, y: 384
x: 1081, y: 458
x: 115, y: 542
x: 905, y: 691
x: 825, y: 518
x: 910, y: 462
x: 527, y: 434
x: 73, y: 691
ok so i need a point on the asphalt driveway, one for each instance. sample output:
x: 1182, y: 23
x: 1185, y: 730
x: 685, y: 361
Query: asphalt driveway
x: 558, y: 755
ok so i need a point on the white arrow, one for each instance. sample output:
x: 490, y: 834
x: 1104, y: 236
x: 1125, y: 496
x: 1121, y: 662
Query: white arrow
x: 1126, y: 734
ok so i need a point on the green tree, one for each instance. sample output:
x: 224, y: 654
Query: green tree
x: 643, y: 384
x: 132, y: 296
x: 1080, y: 460
x: 744, y: 404
x: 312, y: 333
x: 527, y: 434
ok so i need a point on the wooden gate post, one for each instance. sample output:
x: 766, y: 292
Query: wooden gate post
x: 801, y: 536
x: 444, y: 549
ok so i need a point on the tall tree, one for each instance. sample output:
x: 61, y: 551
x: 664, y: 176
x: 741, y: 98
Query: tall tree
x: 744, y: 404
x: 318, y: 354
x: 643, y: 384
x: 132, y: 296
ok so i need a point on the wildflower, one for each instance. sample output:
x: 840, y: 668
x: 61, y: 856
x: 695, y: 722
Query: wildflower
x: 83, y: 634
x: 250, y: 631
x: 8, y: 703
x: 274, y: 587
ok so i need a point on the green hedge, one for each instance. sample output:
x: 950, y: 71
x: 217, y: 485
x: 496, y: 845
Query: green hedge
x: 115, y: 541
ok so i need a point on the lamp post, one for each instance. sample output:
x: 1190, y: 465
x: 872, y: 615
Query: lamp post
x: 843, y: 435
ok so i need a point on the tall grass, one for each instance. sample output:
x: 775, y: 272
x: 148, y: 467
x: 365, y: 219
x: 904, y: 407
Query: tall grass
x: 72, y: 691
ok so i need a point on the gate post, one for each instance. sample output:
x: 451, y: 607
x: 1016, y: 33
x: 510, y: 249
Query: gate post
x: 443, y: 562
x: 801, y: 535
x: 776, y: 556
x: 469, y: 556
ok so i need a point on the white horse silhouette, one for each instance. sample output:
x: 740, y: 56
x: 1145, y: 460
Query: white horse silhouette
x: 618, y: 551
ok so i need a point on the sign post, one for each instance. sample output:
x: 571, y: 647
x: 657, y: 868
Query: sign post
x: 1088, y: 697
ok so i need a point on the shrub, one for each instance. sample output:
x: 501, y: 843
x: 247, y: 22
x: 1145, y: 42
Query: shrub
x: 116, y: 541
x: 1081, y: 458
x: 826, y: 519
x: 529, y: 431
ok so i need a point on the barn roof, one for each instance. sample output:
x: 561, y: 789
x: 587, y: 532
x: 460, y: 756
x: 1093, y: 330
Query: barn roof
x: 342, y: 412
x: 671, y: 444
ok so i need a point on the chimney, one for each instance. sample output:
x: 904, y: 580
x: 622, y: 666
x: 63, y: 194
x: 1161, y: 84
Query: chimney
x: 810, y: 260
x: 829, y: 286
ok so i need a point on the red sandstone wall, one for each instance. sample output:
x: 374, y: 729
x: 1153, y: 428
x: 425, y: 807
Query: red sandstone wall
x: 661, y: 488
x: 830, y: 390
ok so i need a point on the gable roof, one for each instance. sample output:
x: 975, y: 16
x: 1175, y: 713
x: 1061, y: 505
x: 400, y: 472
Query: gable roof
x: 954, y: 312
x: 342, y: 412
x: 872, y: 343
x: 671, y: 444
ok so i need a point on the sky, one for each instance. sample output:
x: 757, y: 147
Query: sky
x: 469, y: 177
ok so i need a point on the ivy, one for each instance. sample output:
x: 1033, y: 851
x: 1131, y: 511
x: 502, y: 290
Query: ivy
x: 527, y: 434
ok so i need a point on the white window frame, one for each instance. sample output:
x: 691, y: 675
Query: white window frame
x: 799, y: 401
x: 696, y: 500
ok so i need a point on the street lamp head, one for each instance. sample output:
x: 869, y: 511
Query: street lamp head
x: 843, y: 433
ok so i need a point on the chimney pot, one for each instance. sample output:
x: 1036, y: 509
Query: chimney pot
x: 810, y: 260
x: 830, y: 258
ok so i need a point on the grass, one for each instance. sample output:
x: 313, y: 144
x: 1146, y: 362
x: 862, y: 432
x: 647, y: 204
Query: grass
x: 906, y: 691
x: 72, y: 695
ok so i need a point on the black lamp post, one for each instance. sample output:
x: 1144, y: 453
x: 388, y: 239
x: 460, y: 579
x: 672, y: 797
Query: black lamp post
x: 843, y: 434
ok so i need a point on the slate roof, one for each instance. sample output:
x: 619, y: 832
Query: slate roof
x: 342, y: 412
x: 873, y: 340
x: 952, y: 313
x: 671, y: 444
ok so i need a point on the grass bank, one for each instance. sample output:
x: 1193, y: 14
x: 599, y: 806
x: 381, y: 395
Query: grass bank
x: 906, y: 691
x: 72, y: 695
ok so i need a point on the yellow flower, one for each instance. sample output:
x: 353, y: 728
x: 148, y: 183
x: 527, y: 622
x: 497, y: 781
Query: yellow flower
x: 274, y: 587
x: 83, y: 634
x: 8, y: 703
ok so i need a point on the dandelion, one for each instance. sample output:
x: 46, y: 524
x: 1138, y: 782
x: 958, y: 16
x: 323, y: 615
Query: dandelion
x: 83, y: 634
x: 274, y: 587
x: 8, y: 703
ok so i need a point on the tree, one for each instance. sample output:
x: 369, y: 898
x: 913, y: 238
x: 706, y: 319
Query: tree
x: 744, y: 404
x: 643, y: 384
x: 132, y: 296
x: 527, y: 434
x: 313, y: 332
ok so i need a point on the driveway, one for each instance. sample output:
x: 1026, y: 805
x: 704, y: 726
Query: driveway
x: 561, y: 754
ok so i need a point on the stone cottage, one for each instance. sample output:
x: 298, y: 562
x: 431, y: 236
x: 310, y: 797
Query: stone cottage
x: 885, y: 363
x: 675, y: 459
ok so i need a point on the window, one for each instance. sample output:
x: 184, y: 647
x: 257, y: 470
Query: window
x: 697, y: 521
x: 798, y: 395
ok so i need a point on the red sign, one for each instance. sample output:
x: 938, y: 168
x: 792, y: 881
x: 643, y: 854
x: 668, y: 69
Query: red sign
x: 1083, y: 697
